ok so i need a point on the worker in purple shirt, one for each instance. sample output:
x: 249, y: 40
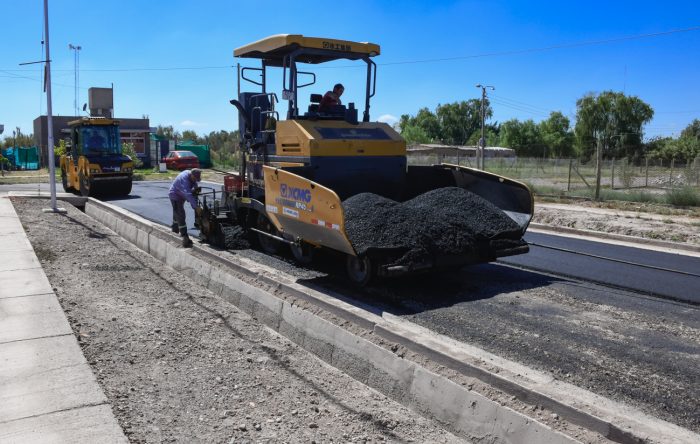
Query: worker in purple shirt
x: 181, y: 190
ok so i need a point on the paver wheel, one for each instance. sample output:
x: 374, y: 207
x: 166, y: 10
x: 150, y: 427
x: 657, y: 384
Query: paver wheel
x: 303, y: 253
x: 268, y: 244
x: 359, y: 270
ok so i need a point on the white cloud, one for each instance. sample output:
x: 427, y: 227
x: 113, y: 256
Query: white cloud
x: 191, y: 123
x: 388, y: 118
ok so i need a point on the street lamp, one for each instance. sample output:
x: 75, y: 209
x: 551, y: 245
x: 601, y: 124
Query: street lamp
x: 482, y: 140
x: 76, y: 74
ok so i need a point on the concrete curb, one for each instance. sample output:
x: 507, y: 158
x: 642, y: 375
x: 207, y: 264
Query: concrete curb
x: 467, y: 412
x: 618, y: 237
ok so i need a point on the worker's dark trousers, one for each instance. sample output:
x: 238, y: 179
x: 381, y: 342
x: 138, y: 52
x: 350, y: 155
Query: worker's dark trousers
x: 179, y: 215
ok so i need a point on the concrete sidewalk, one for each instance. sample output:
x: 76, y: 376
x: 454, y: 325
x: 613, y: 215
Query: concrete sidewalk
x: 48, y: 393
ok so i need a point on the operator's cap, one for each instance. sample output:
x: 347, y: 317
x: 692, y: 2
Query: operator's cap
x: 197, y: 174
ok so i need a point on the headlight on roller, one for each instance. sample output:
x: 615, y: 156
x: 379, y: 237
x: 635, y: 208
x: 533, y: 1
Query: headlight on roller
x: 126, y: 169
x: 94, y: 170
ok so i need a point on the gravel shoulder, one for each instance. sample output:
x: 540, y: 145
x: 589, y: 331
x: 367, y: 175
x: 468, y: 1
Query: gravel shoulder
x: 179, y: 364
x: 675, y: 225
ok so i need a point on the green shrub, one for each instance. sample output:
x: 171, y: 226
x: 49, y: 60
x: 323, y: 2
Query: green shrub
x: 684, y: 197
x: 128, y: 149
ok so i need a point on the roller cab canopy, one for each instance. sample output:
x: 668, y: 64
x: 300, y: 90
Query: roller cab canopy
x: 89, y: 121
x: 273, y: 49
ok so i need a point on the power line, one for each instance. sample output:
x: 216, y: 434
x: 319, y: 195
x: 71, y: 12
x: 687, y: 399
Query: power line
x: 176, y: 68
x: 550, y: 48
x: 517, y: 102
x: 444, y: 59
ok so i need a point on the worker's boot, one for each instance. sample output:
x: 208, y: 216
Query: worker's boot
x: 186, y: 241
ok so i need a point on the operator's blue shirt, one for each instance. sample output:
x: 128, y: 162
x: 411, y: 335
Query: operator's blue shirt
x: 181, y: 189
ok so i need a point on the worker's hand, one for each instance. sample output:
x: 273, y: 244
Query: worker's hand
x: 197, y: 190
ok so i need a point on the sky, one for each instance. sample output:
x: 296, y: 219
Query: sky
x: 173, y: 60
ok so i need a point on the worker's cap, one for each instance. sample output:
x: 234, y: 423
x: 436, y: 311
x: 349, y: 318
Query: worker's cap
x: 197, y: 174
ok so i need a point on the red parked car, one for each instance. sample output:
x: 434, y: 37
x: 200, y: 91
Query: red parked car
x: 181, y: 160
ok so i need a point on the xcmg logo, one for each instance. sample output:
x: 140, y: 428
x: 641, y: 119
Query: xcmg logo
x: 299, y: 194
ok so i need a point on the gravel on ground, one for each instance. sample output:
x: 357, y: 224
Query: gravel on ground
x: 179, y: 364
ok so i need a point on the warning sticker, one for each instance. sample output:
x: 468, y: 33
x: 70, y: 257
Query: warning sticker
x: 290, y: 212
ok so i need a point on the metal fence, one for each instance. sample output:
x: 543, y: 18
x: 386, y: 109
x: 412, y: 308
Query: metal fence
x: 564, y: 175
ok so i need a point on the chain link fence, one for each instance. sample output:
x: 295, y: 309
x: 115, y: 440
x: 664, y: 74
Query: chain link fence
x: 570, y: 175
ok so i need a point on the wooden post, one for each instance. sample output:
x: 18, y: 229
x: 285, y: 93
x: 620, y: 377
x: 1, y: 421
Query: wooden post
x: 599, y: 166
x: 612, y: 179
x: 670, y: 175
x: 646, y: 175
x: 571, y: 165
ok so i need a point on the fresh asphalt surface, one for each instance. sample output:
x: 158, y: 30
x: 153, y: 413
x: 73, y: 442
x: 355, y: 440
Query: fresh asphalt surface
x: 621, y: 344
x: 150, y: 200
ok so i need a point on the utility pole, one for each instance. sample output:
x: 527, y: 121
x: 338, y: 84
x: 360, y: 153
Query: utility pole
x: 482, y: 140
x: 49, y: 118
x: 76, y: 74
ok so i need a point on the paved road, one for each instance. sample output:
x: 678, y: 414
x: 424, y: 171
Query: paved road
x: 623, y: 270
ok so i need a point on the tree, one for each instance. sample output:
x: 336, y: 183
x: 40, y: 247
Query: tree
x: 423, y: 128
x: 18, y: 140
x: 459, y: 120
x: 190, y: 135
x: 556, y: 135
x: 167, y: 132
x: 613, y: 118
x: 692, y: 130
x: 415, y: 134
x: 492, y: 136
x: 524, y: 137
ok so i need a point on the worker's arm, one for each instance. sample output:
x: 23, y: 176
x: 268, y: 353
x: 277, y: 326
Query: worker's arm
x: 190, y: 197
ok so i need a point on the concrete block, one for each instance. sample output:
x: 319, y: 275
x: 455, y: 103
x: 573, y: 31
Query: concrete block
x: 268, y: 317
x: 200, y: 269
x: 246, y: 304
x: 142, y: 240
x: 44, y: 375
x: 94, y: 424
x: 30, y: 317
x: 289, y: 331
x: 231, y: 296
x: 356, y: 367
x: 19, y: 260
x: 157, y: 247
x: 126, y: 230
x: 31, y: 281
x: 14, y: 242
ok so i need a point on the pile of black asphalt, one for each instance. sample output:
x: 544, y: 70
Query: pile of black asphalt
x: 441, y: 222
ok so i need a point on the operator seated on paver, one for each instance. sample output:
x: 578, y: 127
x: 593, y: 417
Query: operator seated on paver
x: 181, y: 190
x: 331, y: 99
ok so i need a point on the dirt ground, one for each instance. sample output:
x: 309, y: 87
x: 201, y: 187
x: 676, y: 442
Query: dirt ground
x: 179, y: 364
x: 675, y: 225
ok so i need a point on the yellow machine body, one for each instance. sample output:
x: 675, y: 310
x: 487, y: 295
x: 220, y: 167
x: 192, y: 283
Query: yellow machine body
x: 94, y: 160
